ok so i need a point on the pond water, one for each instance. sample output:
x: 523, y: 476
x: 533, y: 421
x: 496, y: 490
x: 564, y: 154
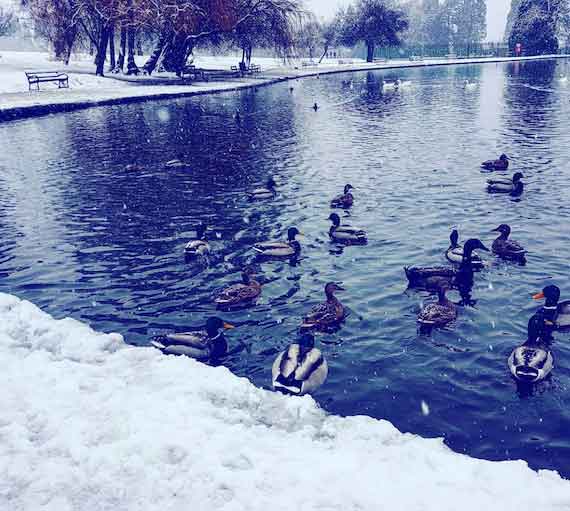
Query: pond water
x: 83, y: 237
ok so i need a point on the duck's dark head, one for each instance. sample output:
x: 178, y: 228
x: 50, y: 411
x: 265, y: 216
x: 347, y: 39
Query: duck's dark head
x: 306, y: 340
x: 292, y: 233
x: 504, y: 157
x: 504, y: 229
x: 471, y: 245
x: 246, y: 277
x: 201, y: 230
x: 315, y: 107
x: 348, y: 187
x: 331, y: 288
x: 517, y: 177
x: 537, y: 329
x: 215, y: 324
x: 335, y: 219
x: 551, y: 293
x: 271, y: 183
x: 454, y: 238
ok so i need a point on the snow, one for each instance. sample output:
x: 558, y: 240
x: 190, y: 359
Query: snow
x: 87, y: 90
x: 90, y: 423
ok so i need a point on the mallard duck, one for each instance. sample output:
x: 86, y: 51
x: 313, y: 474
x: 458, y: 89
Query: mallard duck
x: 423, y: 277
x: 532, y: 361
x: 300, y: 369
x: 287, y: 248
x: 345, y: 233
x: 438, y: 313
x: 513, y: 186
x: 315, y: 107
x: 556, y: 314
x: 264, y: 193
x: 454, y: 253
x: 403, y: 84
x: 468, y: 85
x: 505, y: 247
x: 501, y: 164
x: 198, y: 247
x: 345, y: 200
x: 244, y: 293
x: 176, y: 164
x: 328, y: 314
x: 134, y: 167
x: 207, y: 344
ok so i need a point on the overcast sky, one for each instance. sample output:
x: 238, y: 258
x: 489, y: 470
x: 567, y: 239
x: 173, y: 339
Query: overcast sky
x: 497, y: 11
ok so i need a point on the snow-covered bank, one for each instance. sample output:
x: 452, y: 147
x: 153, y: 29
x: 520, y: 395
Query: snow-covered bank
x: 87, y: 90
x: 89, y: 423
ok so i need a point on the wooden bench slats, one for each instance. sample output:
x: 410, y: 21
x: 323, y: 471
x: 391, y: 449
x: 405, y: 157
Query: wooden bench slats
x: 36, y: 77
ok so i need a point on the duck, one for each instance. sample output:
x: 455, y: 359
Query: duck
x: 454, y: 253
x: 430, y: 276
x: 134, y: 167
x: 244, y: 293
x: 288, y: 248
x: 438, y: 313
x: 264, y: 193
x: 299, y: 369
x: 198, y: 247
x: 315, y: 106
x: 469, y: 85
x: 206, y: 344
x: 556, y: 314
x: 389, y: 85
x: 237, y: 117
x: 345, y: 200
x: 173, y: 164
x: 291, y: 89
x: 328, y: 314
x: 532, y: 361
x: 512, y: 186
x: 505, y: 247
x: 345, y: 233
x: 403, y: 84
x: 501, y: 164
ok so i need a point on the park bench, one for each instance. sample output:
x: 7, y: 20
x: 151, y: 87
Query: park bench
x: 381, y: 60
x: 36, y: 77
x: 244, y: 70
x: 190, y: 72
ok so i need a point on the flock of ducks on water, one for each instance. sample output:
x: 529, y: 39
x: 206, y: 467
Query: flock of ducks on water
x: 301, y: 367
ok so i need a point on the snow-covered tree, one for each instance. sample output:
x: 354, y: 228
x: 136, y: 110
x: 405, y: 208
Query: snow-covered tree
x: 7, y: 21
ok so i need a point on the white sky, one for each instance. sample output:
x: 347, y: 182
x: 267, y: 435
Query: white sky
x: 497, y: 11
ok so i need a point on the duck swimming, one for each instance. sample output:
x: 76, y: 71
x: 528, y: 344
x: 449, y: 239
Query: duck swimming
x: 287, y: 248
x: 345, y: 233
x: 198, y: 247
x: 556, y: 314
x: 505, y: 247
x: 315, y: 107
x: 207, y: 344
x: 300, y: 369
x: 430, y: 276
x: 242, y: 294
x: 345, y: 200
x: 389, y: 85
x: 512, y: 186
x: 438, y: 313
x: 468, y: 85
x: 454, y: 253
x: 176, y: 164
x: 326, y: 315
x: 501, y: 164
x: 532, y: 361
x: 264, y: 193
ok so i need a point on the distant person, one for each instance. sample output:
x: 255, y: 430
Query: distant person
x: 518, y: 49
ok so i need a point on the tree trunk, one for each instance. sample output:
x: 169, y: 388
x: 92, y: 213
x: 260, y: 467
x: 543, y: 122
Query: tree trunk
x: 132, y: 68
x: 102, y: 50
x: 325, y: 51
x: 175, y: 54
x: 370, y: 52
x: 157, y: 53
x: 112, y: 62
x: 122, y: 48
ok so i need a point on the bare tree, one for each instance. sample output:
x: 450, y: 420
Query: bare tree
x: 7, y: 21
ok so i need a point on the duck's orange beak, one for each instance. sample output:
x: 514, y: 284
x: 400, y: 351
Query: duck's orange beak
x: 538, y: 296
x: 227, y: 326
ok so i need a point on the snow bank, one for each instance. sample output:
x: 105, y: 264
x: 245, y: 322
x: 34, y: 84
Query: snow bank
x: 89, y: 423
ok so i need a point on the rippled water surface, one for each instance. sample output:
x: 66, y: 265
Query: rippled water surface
x: 83, y: 237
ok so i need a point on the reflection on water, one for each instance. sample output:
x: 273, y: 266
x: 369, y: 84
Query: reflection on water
x: 84, y: 237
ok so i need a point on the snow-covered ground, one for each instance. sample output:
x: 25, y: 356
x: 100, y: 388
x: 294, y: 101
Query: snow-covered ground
x: 89, y: 423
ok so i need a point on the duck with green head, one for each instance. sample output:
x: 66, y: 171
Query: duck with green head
x: 556, y: 313
x: 300, y: 368
x: 198, y: 247
x: 345, y: 233
x: 288, y: 248
x: 267, y: 192
x: 207, y: 344
x: 454, y: 253
x: 512, y: 186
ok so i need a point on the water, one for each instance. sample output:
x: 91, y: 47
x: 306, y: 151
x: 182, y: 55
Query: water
x: 82, y: 237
